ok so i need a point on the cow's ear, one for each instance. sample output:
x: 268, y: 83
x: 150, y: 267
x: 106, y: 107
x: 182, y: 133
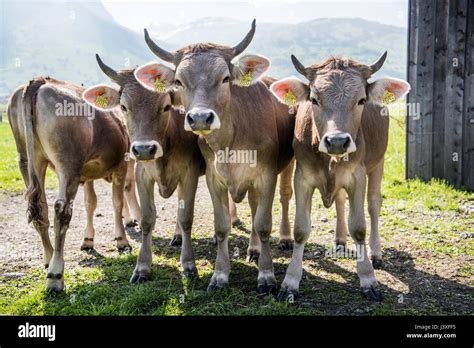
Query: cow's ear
x: 290, y: 90
x: 249, y: 69
x: 387, y: 90
x: 101, y: 97
x: 155, y: 77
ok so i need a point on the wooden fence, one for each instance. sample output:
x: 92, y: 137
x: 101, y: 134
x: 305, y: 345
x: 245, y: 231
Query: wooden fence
x: 440, y: 110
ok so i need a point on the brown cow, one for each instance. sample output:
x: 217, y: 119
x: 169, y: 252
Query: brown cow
x: 341, y: 135
x: 53, y: 127
x: 238, y: 121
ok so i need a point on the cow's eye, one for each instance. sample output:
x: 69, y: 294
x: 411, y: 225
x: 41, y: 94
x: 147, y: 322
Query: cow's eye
x: 362, y: 101
x: 123, y: 107
x: 314, y: 101
x: 167, y: 108
x: 178, y: 83
x: 226, y: 79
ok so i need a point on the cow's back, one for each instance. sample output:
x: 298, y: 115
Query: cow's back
x: 74, y: 137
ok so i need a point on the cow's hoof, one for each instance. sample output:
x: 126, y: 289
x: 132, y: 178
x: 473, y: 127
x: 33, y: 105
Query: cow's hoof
x: 55, y: 282
x: 132, y: 223
x: 377, y: 263
x: 176, y: 241
x: 339, y: 248
x: 237, y: 223
x: 213, y: 287
x: 87, y: 247
x: 372, y: 294
x: 253, y: 255
x: 138, y: 279
x: 125, y: 249
x: 286, y: 244
x: 190, y: 274
x: 264, y: 289
x: 286, y: 295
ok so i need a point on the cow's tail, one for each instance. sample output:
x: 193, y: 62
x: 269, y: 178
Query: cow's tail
x: 33, y: 192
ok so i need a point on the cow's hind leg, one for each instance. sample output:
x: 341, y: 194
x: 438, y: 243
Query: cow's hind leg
x: 266, y: 281
x: 357, y: 229
x: 374, y: 198
x: 41, y: 222
x: 341, y: 226
x: 118, y: 183
x: 286, y: 243
x: 253, y: 251
x: 90, y: 202
x: 68, y: 184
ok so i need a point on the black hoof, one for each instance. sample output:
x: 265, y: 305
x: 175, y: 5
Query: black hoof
x: 190, y: 274
x: 133, y: 223
x: 286, y: 244
x: 377, y: 263
x: 137, y: 279
x: 176, y: 241
x: 264, y: 289
x: 286, y: 295
x: 87, y: 248
x: 216, y: 287
x: 372, y: 294
x: 252, y: 256
x: 126, y: 249
x: 237, y: 223
x: 54, y: 276
x: 340, y: 248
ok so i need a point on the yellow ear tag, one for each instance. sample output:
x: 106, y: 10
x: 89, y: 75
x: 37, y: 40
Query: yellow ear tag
x: 246, y: 79
x: 159, y: 86
x: 289, y: 98
x: 102, y: 101
x: 388, y: 97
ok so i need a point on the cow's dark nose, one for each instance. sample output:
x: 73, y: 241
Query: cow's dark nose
x: 337, y: 144
x: 144, y: 152
x: 199, y: 121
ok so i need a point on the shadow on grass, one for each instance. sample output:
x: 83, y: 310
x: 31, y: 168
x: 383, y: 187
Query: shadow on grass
x: 330, y: 289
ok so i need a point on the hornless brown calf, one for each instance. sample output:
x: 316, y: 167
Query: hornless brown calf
x: 245, y: 138
x: 341, y: 135
x: 53, y: 127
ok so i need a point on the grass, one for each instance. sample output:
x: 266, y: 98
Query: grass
x: 427, y: 262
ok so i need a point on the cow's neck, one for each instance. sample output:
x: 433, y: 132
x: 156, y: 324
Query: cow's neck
x: 222, y: 138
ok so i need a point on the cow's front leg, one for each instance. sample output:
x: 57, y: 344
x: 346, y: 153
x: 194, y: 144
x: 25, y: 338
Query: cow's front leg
x: 90, y: 202
x: 374, y: 198
x: 266, y: 281
x: 222, y: 227
x: 186, y: 196
x: 357, y: 229
x: 68, y: 184
x: 145, y: 185
x: 253, y: 251
x: 118, y: 183
x: 303, y: 193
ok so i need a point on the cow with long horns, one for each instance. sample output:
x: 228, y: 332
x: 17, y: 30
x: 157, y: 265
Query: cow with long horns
x: 341, y: 136
x: 245, y: 137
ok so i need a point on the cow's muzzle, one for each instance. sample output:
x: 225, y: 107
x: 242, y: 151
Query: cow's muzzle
x: 337, y: 144
x: 201, y: 121
x: 146, y: 150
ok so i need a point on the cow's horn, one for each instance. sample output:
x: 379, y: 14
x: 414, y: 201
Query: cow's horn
x: 298, y: 66
x: 378, y: 64
x: 106, y: 69
x: 163, y: 54
x: 242, y: 45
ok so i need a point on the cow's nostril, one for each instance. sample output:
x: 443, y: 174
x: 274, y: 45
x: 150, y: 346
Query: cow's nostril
x: 134, y: 150
x: 190, y: 120
x: 210, y: 118
x: 347, y: 143
x: 327, y: 142
x: 152, y: 150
